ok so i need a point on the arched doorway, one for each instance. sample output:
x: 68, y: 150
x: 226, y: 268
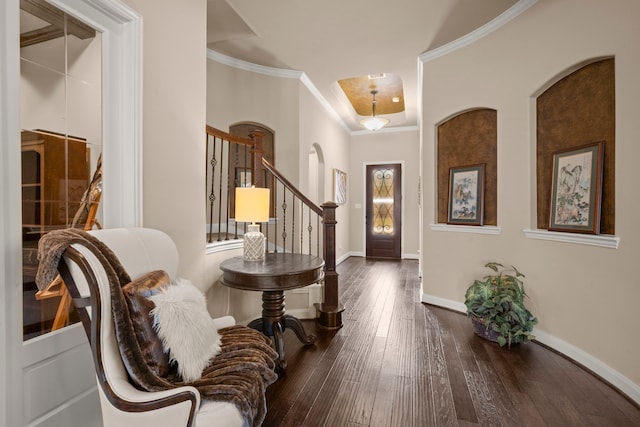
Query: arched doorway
x: 316, y: 174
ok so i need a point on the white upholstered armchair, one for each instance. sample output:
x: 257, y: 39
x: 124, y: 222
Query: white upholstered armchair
x: 140, y: 251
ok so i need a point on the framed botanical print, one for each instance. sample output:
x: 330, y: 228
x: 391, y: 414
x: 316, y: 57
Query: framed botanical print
x: 576, y: 189
x: 466, y: 195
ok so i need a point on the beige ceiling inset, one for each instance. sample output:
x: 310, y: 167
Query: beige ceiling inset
x: 389, y: 87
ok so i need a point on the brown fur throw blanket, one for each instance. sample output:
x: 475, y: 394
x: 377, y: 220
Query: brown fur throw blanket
x: 241, y: 372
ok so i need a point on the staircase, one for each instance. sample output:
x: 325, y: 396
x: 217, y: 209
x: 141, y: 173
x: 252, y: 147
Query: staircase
x: 296, y: 224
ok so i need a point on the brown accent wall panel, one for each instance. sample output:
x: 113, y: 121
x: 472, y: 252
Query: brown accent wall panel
x: 577, y: 110
x: 467, y: 139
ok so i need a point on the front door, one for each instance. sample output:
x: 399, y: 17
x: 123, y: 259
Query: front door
x: 383, y: 212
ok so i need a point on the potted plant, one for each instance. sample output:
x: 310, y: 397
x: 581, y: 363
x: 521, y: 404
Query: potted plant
x: 496, y: 307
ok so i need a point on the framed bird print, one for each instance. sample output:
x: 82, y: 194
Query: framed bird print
x: 576, y: 189
x: 466, y: 195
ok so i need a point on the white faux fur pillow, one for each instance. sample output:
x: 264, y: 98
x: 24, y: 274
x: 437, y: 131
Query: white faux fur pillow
x: 185, y: 327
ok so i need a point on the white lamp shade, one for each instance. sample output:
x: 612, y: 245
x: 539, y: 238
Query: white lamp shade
x: 374, y: 123
x: 252, y: 204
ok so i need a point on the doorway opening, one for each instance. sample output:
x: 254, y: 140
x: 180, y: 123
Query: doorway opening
x: 316, y: 174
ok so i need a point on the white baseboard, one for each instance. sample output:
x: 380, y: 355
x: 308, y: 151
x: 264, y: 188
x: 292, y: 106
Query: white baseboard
x: 362, y: 255
x: 314, y: 295
x: 352, y: 253
x: 615, y: 378
x: 303, y: 313
x: 442, y: 302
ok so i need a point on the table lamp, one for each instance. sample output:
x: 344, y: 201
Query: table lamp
x: 252, y: 205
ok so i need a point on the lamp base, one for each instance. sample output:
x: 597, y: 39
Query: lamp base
x: 254, y: 243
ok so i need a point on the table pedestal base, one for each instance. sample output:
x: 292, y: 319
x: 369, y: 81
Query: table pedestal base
x: 274, y: 322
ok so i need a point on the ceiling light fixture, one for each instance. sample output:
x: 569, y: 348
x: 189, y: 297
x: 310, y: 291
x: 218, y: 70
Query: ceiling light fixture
x: 374, y: 123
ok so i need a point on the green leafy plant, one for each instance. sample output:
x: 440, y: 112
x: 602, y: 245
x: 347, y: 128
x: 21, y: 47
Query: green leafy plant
x: 497, y: 303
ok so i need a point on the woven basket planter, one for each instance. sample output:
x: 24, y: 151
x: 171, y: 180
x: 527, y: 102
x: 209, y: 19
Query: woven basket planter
x: 480, y: 329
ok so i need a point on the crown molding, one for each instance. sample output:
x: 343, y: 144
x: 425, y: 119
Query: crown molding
x: 278, y: 72
x: 306, y: 81
x: 254, y: 68
x: 500, y: 20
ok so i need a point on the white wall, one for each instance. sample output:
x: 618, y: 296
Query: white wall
x: 585, y: 296
x: 379, y: 147
x: 236, y: 95
x: 173, y: 125
x: 318, y: 127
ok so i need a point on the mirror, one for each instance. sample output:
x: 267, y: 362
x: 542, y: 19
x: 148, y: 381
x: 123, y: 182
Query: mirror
x: 61, y: 122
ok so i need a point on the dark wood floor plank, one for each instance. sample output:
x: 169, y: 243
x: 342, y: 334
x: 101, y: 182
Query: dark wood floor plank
x: 306, y: 396
x: 554, y: 407
x: 458, y: 379
x: 401, y: 349
x: 437, y: 363
x: 443, y: 405
x: 402, y: 408
x: 625, y: 406
x: 383, y: 404
x: 590, y: 401
x: 398, y: 362
x: 483, y: 387
x: 444, y: 411
x: 340, y: 410
x: 422, y: 399
x: 490, y: 399
x: 510, y: 412
x: 367, y: 388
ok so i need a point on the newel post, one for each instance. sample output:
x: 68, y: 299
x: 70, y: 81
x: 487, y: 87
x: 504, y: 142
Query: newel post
x: 330, y: 311
x: 257, y: 174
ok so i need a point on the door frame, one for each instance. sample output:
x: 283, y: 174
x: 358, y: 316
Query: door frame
x: 364, y: 202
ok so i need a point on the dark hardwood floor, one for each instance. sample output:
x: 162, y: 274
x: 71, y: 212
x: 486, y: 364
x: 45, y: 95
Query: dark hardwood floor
x: 398, y: 362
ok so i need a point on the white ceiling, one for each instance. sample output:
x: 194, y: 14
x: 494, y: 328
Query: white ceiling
x: 330, y: 40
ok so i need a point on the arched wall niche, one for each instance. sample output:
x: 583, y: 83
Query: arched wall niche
x: 574, y: 109
x: 244, y: 130
x: 465, y: 139
x: 240, y: 159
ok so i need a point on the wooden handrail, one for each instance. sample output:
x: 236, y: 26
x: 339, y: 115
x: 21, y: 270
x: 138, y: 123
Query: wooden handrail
x: 228, y: 137
x: 317, y: 209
